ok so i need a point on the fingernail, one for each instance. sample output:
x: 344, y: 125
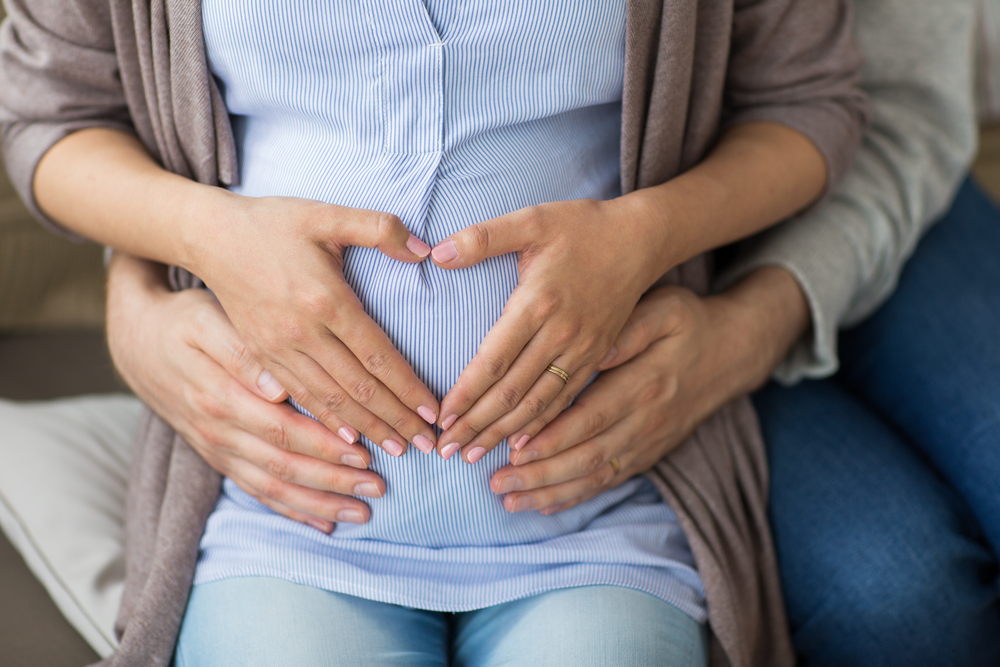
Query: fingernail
x: 521, y: 442
x: 350, y: 516
x: 449, y: 450
x: 475, y: 454
x: 522, y: 503
x: 321, y: 526
x: 271, y: 388
x: 347, y: 435
x: 445, y: 252
x: 366, y: 489
x: 393, y: 447
x: 525, y: 457
x: 417, y: 247
x: 449, y: 420
x: 612, y: 353
x: 508, y: 483
x: 423, y: 443
x: 427, y: 414
x: 354, y: 461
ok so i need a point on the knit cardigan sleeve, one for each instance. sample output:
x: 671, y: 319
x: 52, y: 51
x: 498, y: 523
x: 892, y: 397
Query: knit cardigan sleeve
x: 847, y: 253
x: 796, y: 64
x: 58, y: 74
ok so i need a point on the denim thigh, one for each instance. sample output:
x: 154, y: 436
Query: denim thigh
x: 590, y: 626
x: 929, y: 360
x: 266, y: 622
x: 251, y: 621
x: 881, y: 561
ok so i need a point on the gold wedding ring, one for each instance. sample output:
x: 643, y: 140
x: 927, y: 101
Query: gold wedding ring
x: 615, y: 465
x: 555, y: 370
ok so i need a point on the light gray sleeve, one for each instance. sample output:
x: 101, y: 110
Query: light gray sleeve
x: 848, y: 252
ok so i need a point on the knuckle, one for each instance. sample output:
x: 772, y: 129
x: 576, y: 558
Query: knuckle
x: 239, y: 355
x: 315, y: 303
x: 494, y: 368
x: 592, y: 461
x: 334, y: 400
x: 507, y: 398
x: 277, y: 434
x: 211, y: 406
x: 364, y: 391
x: 533, y: 406
x: 387, y: 223
x: 272, y: 489
x: 377, y: 363
x: 548, y: 303
x: 594, y: 422
x: 279, y: 467
x: 402, y: 424
x: 479, y: 238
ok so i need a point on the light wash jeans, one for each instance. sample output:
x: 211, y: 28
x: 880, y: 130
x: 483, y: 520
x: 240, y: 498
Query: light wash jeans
x: 262, y: 621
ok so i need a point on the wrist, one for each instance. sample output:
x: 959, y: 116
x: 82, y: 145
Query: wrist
x: 208, y: 217
x: 760, y: 319
x: 647, y: 216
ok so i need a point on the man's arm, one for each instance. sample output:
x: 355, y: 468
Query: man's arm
x: 847, y: 254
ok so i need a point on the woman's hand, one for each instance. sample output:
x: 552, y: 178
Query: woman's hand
x: 679, y: 359
x: 181, y: 355
x: 584, y: 264
x: 582, y: 267
x: 276, y: 267
x: 274, y: 263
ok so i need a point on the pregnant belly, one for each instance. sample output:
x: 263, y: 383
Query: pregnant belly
x: 437, y: 319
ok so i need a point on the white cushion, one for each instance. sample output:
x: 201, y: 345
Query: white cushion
x: 63, y: 471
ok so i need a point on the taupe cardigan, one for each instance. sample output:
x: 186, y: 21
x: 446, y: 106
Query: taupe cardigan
x: 692, y: 68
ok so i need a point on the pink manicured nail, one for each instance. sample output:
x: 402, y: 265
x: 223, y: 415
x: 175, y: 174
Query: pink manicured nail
x: 271, y: 387
x: 449, y: 450
x: 423, y: 443
x: 508, y: 483
x: 427, y: 414
x: 476, y: 453
x: 525, y: 457
x: 347, y: 435
x: 354, y: 461
x: 521, y: 442
x: 445, y: 252
x: 417, y: 247
x: 350, y: 516
x: 393, y: 447
x: 612, y: 353
x: 321, y: 526
x: 449, y: 420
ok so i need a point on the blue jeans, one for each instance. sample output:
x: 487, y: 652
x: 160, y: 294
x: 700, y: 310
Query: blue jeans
x: 254, y: 621
x: 885, y: 480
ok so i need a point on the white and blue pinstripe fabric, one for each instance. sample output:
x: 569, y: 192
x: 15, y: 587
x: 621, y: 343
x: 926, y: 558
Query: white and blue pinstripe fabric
x: 444, y: 113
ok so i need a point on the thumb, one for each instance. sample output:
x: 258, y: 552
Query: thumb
x: 651, y: 320
x: 491, y: 238
x: 385, y: 231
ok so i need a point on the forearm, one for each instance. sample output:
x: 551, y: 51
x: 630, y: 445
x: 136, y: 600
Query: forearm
x: 102, y: 184
x: 759, y: 174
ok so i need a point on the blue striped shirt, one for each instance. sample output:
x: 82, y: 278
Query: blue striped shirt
x: 444, y: 113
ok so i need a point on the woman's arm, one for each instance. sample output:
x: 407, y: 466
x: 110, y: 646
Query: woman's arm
x: 180, y: 354
x: 843, y: 255
x: 584, y: 265
x: 273, y: 263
